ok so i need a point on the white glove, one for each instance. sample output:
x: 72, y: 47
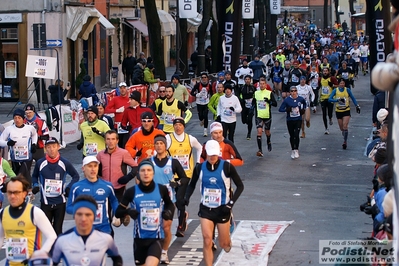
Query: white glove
x: 39, y: 254
x: 116, y: 221
x: 120, y: 109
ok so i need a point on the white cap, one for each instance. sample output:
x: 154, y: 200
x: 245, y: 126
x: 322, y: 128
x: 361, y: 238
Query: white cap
x: 89, y: 159
x: 212, y: 147
x: 216, y: 126
x: 382, y: 115
x: 280, y: 51
x: 122, y: 84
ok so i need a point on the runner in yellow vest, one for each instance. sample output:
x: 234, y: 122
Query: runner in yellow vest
x: 326, y: 84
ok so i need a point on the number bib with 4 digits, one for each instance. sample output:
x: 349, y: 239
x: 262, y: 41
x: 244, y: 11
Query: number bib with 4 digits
x: 261, y: 105
x: 149, y: 219
x: 325, y: 90
x: 184, y: 161
x: 17, y: 249
x: 248, y: 103
x: 21, y: 152
x: 228, y: 112
x: 295, y: 112
x: 99, y: 214
x: 169, y: 119
x: 294, y: 78
x: 52, y: 188
x: 212, y: 197
x: 91, y: 149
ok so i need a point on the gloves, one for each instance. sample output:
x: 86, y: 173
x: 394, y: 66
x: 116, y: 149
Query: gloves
x: 11, y: 143
x: 125, y: 179
x: 95, y: 130
x: 227, y: 209
x: 218, y: 119
x: 133, y: 213
x: 79, y: 146
x: 186, y: 103
x: 67, y: 190
x: 266, y: 100
x: 376, y: 185
x: 120, y: 109
x: 35, y: 190
x: 173, y: 183
x: 288, y: 109
x: 231, y: 108
x: 358, y: 109
x: 33, y: 148
x: 139, y: 152
x: 167, y: 215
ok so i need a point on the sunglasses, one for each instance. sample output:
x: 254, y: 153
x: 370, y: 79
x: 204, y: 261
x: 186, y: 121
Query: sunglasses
x: 162, y: 91
x: 293, y: 90
x: 147, y: 120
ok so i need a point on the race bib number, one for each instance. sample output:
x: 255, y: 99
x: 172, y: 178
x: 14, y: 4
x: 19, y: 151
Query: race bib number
x: 294, y: 78
x: 248, y: 103
x: 99, y: 214
x: 342, y: 103
x: 314, y: 83
x: 363, y: 53
x: 17, y: 249
x: 295, y: 112
x: 149, y: 219
x: 325, y: 90
x: 91, y: 149
x: 228, y: 112
x: 212, y: 197
x: 21, y: 152
x: 168, y: 118
x: 183, y: 160
x: 285, y: 80
x: 345, y: 75
x: 261, y: 105
x: 52, y: 188
x: 120, y: 130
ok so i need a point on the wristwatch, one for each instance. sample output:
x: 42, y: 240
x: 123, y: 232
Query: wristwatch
x: 231, y: 202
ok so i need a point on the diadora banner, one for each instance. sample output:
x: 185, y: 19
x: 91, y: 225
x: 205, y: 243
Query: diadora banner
x: 380, y: 37
x: 188, y: 8
x: 232, y: 34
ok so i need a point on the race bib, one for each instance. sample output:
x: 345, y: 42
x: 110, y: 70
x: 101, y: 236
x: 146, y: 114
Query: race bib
x: 228, y: 112
x: 21, y: 152
x: 325, y: 90
x: 345, y: 75
x: 183, y: 160
x: 285, y: 80
x: 149, y: 219
x: 91, y: 149
x: 295, y: 112
x: 342, y: 103
x: 120, y: 130
x: 17, y: 249
x: 248, y: 103
x: 212, y: 197
x: 294, y: 78
x: 99, y: 214
x: 314, y: 83
x: 52, y: 188
x: 261, y: 105
x: 168, y: 118
x: 363, y: 54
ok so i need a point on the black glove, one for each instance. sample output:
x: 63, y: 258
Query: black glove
x: 358, y: 109
x: 173, y: 183
x: 218, y: 119
x: 268, y: 79
x: 125, y: 179
x: 186, y: 103
x: 167, y: 215
x: 376, y: 185
x: 33, y: 148
x: 231, y: 108
x: 288, y: 109
x: 11, y: 143
x: 139, y: 152
x: 266, y: 100
x: 79, y: 146
x: 67, y: 190
x: 95, y: 130
x: 227, y: 209
x: 44, y: 137
x: 35, y: 190
x: 133, y: 213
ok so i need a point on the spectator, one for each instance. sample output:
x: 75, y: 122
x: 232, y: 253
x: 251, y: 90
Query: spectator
x: 87, y: 89
x: 128, y: 65
x: 57, y: 94
x: 149, y: 75
x: 138, y: 73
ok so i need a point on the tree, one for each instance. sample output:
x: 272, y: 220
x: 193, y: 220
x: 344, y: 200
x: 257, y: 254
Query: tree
x: 154, y: 35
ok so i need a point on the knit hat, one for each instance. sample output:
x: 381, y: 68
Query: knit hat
x: 179, y: 120
x: 30, y: 107
x: 228, y: 72
x: 175, y: 76
x: 135, y: 95
x: 150, y: 66
x: 147, y: 115
x: 93, y: 109
x: 160, y: 138
x: 19, y: 112
x: 216, y: 126
x: 141, y: 164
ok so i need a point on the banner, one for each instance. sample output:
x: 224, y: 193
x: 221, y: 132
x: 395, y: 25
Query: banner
x: 248, y: 9
x: 41, y: 67
x: 275, y: 7
x: 232, y: 35
x: 380, y: 37
x: 188, y: 9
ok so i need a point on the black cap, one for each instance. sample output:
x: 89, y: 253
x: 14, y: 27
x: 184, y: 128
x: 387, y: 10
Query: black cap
x: 30, y: 107
x: 179, y: 120
x: 147, y: 115
x: 52, y: 140
x: 175, y: 76
x: 93, y: 109
x: 19, y: 112
x: 135, y: 95
x: 150, y: 66
x: 129, y: 52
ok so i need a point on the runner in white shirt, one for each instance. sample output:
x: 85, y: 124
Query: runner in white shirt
x: 355, y: 53
x: 306, y: 92
x: 364, y: 52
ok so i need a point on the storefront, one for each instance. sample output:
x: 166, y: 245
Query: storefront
x: 10, y: 69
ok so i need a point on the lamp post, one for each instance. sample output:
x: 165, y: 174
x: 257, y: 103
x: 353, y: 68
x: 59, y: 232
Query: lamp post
x: 177, y: 72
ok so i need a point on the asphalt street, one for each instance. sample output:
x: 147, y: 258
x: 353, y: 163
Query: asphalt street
x: 320, y: 192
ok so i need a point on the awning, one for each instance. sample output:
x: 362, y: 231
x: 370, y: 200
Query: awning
x: 168, y: 24
x: 81, y: 21
x: 295, y: 9
x: 138, y: 25
x: 193, y: 23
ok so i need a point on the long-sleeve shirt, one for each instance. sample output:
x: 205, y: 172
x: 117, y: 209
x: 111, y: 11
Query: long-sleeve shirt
x: 142, y: 141
x: 293, y: 107
x: 225, y: 103
x: 180, y: 93
x: 132, y: 117
x: 116, y: 103
x: 24, y: 136
x: 213, y: 103
x: 197, y: 147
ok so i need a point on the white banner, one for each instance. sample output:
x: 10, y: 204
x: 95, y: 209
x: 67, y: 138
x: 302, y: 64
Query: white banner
x: 275, y: 7
x: 248, y: 8
x: 41, y: 67
x: 188, y: 8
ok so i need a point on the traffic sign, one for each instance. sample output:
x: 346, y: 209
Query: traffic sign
x: 54, y: 43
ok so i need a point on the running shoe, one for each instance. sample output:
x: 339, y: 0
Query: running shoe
x: 227, y: 250
x: 292, y: 155
x: 214, y: 247
x: 259, y: 153
x: 269, y: 146
x: 327, y: 132
x: 182, y: 228
x: 308, y: 124
x: 248, y: 136
x: 126, y: 220
x: 331, y: 122
x: 303, y: 135
x: 180, y: 231
x: 314, y: 110
x: 296, y: 154
x: 164, y: 258
x: 205, y: 132
x: 344, y: 145
x: 202, y: 123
